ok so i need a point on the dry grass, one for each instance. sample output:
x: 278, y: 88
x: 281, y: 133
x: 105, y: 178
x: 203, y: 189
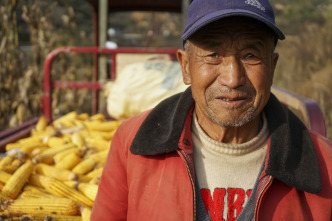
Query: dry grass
x: 304, y: 66
x: 21, y: 73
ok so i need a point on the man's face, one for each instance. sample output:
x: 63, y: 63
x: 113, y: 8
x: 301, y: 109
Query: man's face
x: 230, y: 67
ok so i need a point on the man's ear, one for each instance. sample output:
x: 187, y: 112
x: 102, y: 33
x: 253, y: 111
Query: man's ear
x: 183, y: 58
x: 275, y: 57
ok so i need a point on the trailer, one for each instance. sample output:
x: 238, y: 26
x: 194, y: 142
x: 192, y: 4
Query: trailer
x: 307, y: 109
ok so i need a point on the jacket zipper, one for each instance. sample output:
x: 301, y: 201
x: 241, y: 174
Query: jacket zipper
x: 191, y: 179
x: 260, y: 196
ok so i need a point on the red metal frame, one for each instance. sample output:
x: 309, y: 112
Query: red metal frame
x: 15, y: 133
x: 46, y: 100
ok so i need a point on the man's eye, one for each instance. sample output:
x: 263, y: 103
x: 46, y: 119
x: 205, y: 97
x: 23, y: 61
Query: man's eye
x: 214, y: 55
x: 213, y: 58
x: 250, y: 56
x: 251, y: 59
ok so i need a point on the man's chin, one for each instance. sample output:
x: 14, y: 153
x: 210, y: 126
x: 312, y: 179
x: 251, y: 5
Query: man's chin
x: 234, y: 120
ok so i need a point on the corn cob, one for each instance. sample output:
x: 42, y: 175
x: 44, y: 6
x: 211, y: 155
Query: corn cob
x: 83, y: 117
x: 65, y: 119
x: 85, y: 213
x: 64, y: 125
x: 84, y: 133
x: 28, y: 148
x: 102, y: 134
x: 4, y: 197
x: 1, y: 186
x: 47, y: 155
x: 28, y: 140
x: 28, y: 194
x: 95, y: 180
x: 4, y: 176
x: 103, y: 126
x: 69, y: 161
x: 67, y: 131
x: 71, y: 183
x: 35, y: 189
x: 97, y: 117
x: 56, y: 142
x: 84, y: 179
x: 36, y: 180
x: 58, y: 188
x: 16, y: 163
x: 41, y: 124
x: 95, y: 172
x: 99, y: 156
x: 101, y: 163
x: 100, y: 144
x: 89, y: 190
x: 12, y: 146
x: 93, y: 175
x: 4, y: 215
x: 40, y: 217
x: 17, y: 180
x: 7, y: 160
x: 78, y: 139
x: 60, y: 206
x: 84, y: 166
x: 59, y: 156
x: 51, y: 171
x: 79, y: 124
x: 68, y: 136
x: 37, y: 151
x: 49, y: 131
x: 109, y: 135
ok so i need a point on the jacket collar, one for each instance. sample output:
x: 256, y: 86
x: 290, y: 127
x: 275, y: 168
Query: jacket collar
x: 292, y: 157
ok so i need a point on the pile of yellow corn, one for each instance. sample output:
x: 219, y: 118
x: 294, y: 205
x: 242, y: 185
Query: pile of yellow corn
x: 54, y: 173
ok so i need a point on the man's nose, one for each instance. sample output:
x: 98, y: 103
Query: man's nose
x: 231, y: 72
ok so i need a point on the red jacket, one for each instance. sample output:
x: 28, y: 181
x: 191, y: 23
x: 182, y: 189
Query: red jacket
x: 149, y: 172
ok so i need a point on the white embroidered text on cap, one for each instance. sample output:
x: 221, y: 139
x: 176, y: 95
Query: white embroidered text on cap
x: 255, y: 3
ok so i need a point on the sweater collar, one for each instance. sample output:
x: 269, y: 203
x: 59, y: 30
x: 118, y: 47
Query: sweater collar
x: 292, y: 157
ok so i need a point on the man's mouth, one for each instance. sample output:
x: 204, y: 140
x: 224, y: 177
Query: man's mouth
x: 225, y: 99
x: 228, y: 99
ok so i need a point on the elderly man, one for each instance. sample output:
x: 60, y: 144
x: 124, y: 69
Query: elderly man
x: 226, y: 148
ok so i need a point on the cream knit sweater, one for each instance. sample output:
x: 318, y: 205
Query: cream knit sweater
x: 226, y: 173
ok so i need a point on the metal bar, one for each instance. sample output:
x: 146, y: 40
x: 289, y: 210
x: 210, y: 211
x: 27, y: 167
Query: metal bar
x: 14, y: 137
x: 102, y: 59
x: 96, y: 66
x: 46, y: 99
x: 14, y: 130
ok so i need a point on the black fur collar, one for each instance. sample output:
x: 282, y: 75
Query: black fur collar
x: 292, y: 156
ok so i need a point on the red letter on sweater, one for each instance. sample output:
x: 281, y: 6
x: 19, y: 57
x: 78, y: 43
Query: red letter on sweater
x: 235, y: 206
x: 215, y: 205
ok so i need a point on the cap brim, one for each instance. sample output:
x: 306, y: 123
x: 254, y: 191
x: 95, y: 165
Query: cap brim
x: 207, y: 19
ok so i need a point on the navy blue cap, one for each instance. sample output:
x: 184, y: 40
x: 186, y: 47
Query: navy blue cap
x: 203, y: 12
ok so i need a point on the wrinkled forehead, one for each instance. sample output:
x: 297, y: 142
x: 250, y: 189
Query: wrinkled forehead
x: 232, y: 29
